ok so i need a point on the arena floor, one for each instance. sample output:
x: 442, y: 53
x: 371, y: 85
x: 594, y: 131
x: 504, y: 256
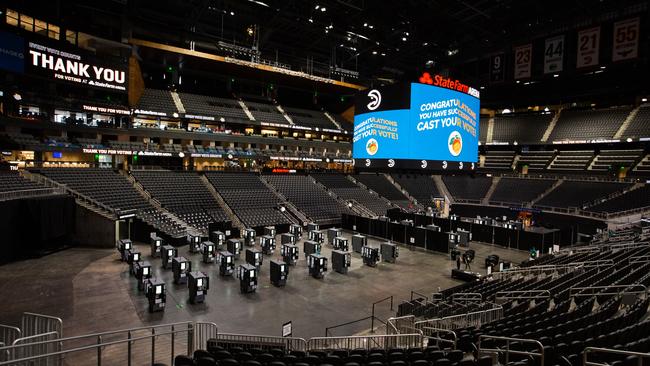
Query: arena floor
x: 92, y: 291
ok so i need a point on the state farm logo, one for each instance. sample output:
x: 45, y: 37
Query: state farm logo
x: 375, y: 99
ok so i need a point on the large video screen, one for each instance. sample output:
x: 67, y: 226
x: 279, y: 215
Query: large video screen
x: 417, y: 126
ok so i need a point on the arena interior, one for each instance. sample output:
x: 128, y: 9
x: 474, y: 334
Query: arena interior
x: 325, y: 183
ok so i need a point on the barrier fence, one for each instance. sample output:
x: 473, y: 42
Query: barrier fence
x: 505, y: 351
x: 249, y: 341
x: 443, y: 338
x: 632, y: 289
x: 473, y: 319
x: 388, y: 341
x: 610, y: 355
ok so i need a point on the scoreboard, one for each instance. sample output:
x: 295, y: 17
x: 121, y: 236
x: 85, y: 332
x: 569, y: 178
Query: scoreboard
x: 432, y: 125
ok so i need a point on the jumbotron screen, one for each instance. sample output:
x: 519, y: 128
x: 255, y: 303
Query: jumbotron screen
x: 417, y: 126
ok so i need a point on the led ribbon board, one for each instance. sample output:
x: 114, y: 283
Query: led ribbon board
x: 417, y: 126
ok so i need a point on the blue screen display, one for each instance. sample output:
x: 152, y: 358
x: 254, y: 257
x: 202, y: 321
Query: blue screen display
x: 441, y: 124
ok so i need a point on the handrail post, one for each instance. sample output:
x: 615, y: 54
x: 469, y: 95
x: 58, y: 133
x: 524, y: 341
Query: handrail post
x: 391, y: 302
x: 153, y: 346
x: 99, y: 351
x: 172, y: 346
x: 129, y: 348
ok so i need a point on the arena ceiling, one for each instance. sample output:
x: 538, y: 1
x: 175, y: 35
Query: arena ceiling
x: 379, y: 39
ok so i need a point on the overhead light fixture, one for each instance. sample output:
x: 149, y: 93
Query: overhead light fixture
x: 482, y: 87
x: 317, y: 6
x: 365, y: 24
x: 222, y: 119
x: 311, y: 20
x: 644, y: 99
x: 425, y: 43
x: 404, y: 39
x: 556, y: 75
x: 383, y: 54
x: 371, y: 26
x: 18, y: 97
x: 517, y: 81
x: 603, y: 67
x: 375, y: 52
x: 232, y: 13
x: 323, y: 9
x: 259, y: 3
x: 629, y: 139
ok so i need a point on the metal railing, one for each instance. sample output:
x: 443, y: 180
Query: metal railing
x: 522, y: 295
x: 507, y: 351
x: 640, y: 357
x: 33, y: 324
x: 425, y: 297
x: 8, y: 334
x: 467, y: 296
x: 126, y: 346
x: 438, y: 336
x: 474, y: 319
x: 248, y: 341
x: 371, y: 318
x: 399, y: 325
x: 639, y: 259
x: 631, y: 289
x: 388, y: 341
x: 36, y: 192
x: 35, y: 345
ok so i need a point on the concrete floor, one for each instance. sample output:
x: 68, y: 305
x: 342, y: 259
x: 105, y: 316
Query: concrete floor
x: 92, y: 291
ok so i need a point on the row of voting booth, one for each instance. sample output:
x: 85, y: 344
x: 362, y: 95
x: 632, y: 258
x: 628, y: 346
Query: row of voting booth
x: 439, y: 234
x: 222, y: 249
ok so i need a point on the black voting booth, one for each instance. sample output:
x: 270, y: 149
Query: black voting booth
x: 198, y: 284
x: 289, y: 253
x: 168, y: 253
x: 267, y: 243
x: 311, y: 247
x: 247, y: 275
x: 234, y: 247
x: 181, y: 267
x: 226, y: 262
x: 317, y: 265
x: 254, y: 257
x: 249, y: 237
x: 279, y: 273
x: 156, y: 245
x: 341, y: 261
x: 156, y: 294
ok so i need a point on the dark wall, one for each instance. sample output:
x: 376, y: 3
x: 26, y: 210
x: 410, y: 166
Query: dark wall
x: 33, y: 226
x: 569, y: 226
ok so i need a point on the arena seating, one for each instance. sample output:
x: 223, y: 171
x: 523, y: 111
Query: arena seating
x: 588, y: 124
x: 113, y: 190
x: 347, y: 190
x: 572, y: 160
x: 483, y: 129
x: 308, y: 197
x: 529, y: 127
x: 536, y: 160
x: 249, y: 198
x: 499, y: 159
x: 520, y: 191
x: 381, y: 185
x: 420, y: 187
x: 25, y: 140
x: 12, y: 181
x: 467, y: 187
x: 610, y: 159
x: 635, y: 198
x: 228, y: 109
x: 644, y: 166
x: 307, y: 118
x: 183, y: 194
x: 157, y: 101
x: 266, y: 113
x: 579, y: 193
x: 104, y: 185
x: 640, y: 125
